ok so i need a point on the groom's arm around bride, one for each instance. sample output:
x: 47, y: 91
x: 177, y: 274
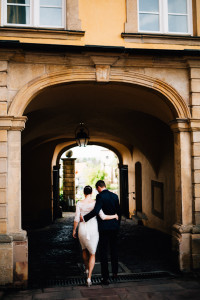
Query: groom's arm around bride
x: 109, y: 203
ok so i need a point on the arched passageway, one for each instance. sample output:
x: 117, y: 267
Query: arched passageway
x: 131, y: 116
x: 131, y: 119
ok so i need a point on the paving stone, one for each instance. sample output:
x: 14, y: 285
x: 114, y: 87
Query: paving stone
x: 143, y: 296
x: 185, y: 295
x: 78, y: 298
x: 58, y: 289
x: 140, y: 289
x: 156, y: 287
x: 114, y: 297
x: 30, y: 292
x: 126, y: 284
x: 17, y: 297
x: 84, y: 287
x: 189, y: 285
x: 104, y: 292
x: 166, y: 287
x: 58, y: 295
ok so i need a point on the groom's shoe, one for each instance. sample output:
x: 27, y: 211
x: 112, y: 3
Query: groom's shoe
x: 104, y: 281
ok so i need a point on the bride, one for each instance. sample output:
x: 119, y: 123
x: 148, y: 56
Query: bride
x: 88, y: 232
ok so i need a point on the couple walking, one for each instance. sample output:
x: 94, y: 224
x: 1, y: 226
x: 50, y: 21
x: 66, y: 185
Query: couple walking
x: 99, y: 222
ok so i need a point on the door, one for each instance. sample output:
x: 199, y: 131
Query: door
x: 124, y: 198
x: 138, y: 186
x: 56, y: 213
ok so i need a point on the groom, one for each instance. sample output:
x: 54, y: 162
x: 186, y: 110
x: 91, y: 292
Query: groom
x: 108, y: 230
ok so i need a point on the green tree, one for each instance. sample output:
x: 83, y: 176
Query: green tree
x: 96, y: 175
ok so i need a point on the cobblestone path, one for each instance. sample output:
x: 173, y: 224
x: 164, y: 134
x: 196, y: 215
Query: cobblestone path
x: 53, y: 253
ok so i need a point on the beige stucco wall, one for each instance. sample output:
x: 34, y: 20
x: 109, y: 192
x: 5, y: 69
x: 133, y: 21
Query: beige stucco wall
x: 165, y: 176
x: 103, y: 23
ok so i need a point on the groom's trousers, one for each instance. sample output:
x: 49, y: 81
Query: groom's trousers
x: 108, y: 238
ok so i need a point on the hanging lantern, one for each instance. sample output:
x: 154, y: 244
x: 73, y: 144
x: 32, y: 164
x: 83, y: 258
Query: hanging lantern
x: 82, y: 135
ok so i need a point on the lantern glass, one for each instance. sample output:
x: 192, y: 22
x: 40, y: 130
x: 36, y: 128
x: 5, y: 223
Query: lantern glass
x: 81, y: 136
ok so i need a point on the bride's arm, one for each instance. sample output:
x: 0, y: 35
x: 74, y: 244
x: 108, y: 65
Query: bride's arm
x: 107, y: 217
x: 76, y: 219
x: 74, y: 229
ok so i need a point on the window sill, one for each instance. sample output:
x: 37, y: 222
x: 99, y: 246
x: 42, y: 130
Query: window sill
x: 161, y: 38
x: 30, y: 32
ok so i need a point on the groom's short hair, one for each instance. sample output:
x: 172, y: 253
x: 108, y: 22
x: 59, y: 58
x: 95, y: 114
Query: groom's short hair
x: 100, y: 183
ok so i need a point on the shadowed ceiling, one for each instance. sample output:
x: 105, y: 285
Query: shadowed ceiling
x: 128, y: 114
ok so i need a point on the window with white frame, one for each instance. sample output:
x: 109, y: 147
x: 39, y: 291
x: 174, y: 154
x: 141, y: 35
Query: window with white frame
x: 34, y: 13
x: 165, y: 16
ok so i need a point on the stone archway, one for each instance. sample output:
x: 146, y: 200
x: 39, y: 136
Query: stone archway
x: 168, y: 95
x: 31, y: 89
x: 60, y: 149
x: 64, y: 149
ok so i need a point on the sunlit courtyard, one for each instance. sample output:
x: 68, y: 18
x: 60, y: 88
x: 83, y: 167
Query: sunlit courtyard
x: 92, y: 163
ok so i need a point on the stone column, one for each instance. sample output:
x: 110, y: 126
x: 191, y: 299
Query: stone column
x: 183, y: 193
x: 6, y: 245
x: 194, y: 73
x: 195, y: 127
x: 13, y: 241
x: 69, y: 179
x: 3, y: 146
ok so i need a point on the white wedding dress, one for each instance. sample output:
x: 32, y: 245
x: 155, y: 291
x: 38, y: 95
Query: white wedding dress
x: 88, y: 231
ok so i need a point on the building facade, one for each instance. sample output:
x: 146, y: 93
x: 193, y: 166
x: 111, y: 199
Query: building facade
x: 130, y: 70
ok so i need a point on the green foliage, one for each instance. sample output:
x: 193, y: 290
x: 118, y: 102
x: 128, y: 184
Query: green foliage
x: 61, y: 197
x: 63, y: 202
x: 96, y: 175
x: 112, y: 186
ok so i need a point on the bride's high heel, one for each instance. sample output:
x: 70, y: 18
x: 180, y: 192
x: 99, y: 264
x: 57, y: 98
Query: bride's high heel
x: 89, y: 282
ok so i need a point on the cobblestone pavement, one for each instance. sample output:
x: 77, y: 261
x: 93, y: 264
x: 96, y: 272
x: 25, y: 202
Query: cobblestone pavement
x: 53, y: 253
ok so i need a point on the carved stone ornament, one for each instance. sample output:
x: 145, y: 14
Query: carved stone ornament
x: 102, y: 73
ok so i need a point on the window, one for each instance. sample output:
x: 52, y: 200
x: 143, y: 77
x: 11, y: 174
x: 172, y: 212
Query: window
x: 177, y: 16
x: 165, y: 16
x: 34, y: 13
x: 149, y: 15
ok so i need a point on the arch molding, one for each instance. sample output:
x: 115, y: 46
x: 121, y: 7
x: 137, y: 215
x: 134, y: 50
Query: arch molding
x: 173, y: 99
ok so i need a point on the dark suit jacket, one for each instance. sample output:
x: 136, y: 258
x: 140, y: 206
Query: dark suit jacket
x: 109, y: 203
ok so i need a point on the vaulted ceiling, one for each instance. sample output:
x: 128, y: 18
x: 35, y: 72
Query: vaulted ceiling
x: 130, y: 115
